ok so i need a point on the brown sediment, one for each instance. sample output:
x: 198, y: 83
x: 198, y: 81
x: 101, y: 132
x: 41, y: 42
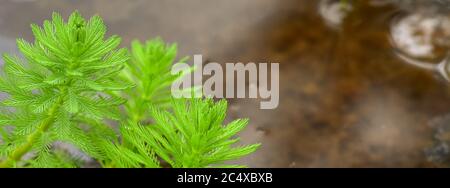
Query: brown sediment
x: 346, y: 100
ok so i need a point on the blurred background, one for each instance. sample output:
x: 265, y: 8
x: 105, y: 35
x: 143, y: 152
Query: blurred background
x: 363, y: 83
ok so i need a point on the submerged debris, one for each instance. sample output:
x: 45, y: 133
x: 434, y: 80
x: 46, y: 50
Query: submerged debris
x: 440, y: 151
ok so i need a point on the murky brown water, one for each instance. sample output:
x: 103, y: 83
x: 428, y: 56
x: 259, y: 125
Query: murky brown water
x: 346, y: 100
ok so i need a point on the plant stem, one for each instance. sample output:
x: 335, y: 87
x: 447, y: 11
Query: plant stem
x: 18, y: 153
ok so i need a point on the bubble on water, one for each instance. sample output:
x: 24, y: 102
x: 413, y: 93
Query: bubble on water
x: 334, y: 12
x: 423, y: 40
x: 417, y: 34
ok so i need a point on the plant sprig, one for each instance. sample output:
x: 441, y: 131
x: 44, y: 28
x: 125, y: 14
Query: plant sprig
x: 65, y: 75
x: 72, y: 79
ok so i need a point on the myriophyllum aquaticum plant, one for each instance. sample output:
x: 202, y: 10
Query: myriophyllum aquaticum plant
x: 74, y: 86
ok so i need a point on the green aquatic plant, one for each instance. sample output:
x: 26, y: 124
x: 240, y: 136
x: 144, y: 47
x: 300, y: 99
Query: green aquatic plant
x: 60, y: 86
x: 194, y: 136
x: 70, y: 87
x: 150, y: 69
x: 191, y: 135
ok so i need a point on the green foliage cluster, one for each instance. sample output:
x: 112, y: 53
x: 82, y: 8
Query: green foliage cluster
x: 192, y: 135
x: 150, y: 69
x: 73, y: 86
